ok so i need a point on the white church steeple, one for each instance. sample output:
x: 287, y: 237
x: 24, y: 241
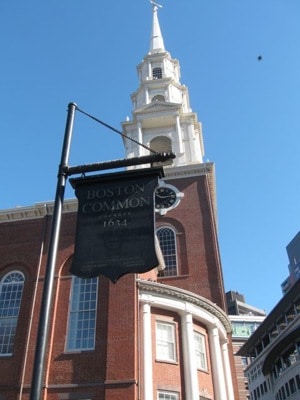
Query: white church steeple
x: 161, y: 117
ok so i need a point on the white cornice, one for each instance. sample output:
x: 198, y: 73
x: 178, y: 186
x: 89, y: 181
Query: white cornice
x: 38, y: 210
x: 158, y: 106
x: 155, y: 56
x: 189, y: 170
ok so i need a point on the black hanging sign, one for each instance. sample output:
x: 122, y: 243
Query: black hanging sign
x: 115, y: 232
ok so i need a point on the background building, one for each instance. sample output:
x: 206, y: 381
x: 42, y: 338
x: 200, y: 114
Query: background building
x: 293, y: 252
x: 245, y: 319
x: 161, y: 335
x: 274, y: 349
x: 236, y: 305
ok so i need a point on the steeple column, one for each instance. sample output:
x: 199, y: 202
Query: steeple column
x: 140, y: 138
x: 147, y: 101
x: 164, y: 67
x: 169, y: 93
x: 179, y: 134
x: 149, y: 70
x: 217, y: 365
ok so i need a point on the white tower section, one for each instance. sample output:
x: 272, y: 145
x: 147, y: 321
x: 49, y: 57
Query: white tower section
x: 161, y: 117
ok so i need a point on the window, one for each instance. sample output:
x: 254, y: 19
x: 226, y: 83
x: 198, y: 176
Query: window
x: 287, y: 389
x: 11, y: 289
x: 82, y: 314
x: 258, y: 392
x: 165, y: 341
x: 298, y: 381
x: 167, y: 241
x: 282, y: 393
x: 244, y: 361
x: 167, y: 396
x: 292, y: 386
x: 158, y: 97
x: 200, y: 351
x: 157, y: 73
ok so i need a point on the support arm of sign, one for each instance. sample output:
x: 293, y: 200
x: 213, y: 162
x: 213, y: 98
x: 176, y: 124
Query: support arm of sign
x: 150, y: 159
x: 39, y: 361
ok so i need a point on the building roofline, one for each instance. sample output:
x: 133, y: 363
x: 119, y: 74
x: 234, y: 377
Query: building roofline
x: 271, y: 318
x: 38, y: 210
x: 246, y: 318
x: 250, y: 308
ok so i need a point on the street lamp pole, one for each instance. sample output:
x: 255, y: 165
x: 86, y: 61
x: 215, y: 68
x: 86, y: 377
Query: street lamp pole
x: 38, y: 368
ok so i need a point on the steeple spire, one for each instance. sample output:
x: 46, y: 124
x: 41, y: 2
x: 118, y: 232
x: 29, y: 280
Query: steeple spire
x: 157, y: 42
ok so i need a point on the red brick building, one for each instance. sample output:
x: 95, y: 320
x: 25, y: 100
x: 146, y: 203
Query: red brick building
x: 160, y: 335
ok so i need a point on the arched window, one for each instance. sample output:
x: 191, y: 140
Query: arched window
x: 162, y: 144
x: 157, y: 73
x: 167, y: 241
x: 82, y: 314
x: 11, y: 289
x: 158, y: 97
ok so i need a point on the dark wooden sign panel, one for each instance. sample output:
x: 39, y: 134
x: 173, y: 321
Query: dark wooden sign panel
x: 115, y: 232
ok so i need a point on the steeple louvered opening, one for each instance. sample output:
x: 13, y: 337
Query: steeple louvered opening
x: 157, y: 73
x: 162, y: 144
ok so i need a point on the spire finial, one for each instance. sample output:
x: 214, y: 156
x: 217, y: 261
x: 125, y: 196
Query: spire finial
x: 157, y: 43
x: 155, y: 4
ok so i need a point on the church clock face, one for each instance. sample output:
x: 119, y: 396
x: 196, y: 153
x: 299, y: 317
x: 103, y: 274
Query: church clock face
x: 166, y: 197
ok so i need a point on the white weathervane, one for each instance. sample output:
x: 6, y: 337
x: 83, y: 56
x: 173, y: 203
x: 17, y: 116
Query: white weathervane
x: 155, y: 4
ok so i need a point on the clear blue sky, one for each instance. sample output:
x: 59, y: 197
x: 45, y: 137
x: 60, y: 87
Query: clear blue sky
x: 56, y: 52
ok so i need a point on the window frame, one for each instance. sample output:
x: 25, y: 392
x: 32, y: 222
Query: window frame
x: 168, y: 271
x: 77, y: 323
x: 162, y: 343
x: 167, y: 393
x: 9, y: 323
x: 200, y: 351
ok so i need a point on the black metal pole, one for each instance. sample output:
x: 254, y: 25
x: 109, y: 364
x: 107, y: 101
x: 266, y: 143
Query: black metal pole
x: 39, y: 361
